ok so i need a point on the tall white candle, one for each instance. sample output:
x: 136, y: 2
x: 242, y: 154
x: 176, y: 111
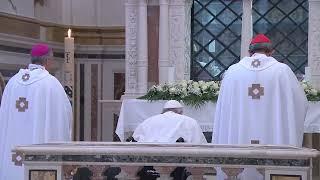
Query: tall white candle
x: 68, y: 67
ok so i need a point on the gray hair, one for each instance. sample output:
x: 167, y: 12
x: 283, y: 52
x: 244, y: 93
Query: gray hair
x: 41, y: 59
x: 175, y: 110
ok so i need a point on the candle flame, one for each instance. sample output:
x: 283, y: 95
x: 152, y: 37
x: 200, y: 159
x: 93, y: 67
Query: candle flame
x: 69, y: 33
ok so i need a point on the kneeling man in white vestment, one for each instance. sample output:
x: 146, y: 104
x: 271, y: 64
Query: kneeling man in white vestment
x: 260, y: 101
x: 34, y: 109
x: 169, y: 126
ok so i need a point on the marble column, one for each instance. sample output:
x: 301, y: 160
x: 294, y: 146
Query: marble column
x: 164, y: 64
x: 142, y: 61
x: 246, y: 29
x: 131, y: 14
x: 179, y: 37
x: 313, y: 42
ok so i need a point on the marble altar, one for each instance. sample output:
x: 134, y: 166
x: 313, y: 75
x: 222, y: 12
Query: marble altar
x: 61, y: 160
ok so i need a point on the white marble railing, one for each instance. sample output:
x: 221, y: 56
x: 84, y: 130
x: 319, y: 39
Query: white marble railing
x: 66, y: 160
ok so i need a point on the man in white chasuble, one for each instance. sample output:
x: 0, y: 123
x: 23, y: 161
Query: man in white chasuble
x: 260, y: 101
x: 34, y: 109
x: 169, y: 126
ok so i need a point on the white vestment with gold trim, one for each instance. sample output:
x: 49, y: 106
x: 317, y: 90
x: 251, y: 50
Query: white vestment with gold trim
x: 260, y: 101
x: 34, y: 109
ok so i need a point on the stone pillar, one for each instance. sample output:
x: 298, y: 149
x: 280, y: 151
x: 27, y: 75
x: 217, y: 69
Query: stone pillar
x: 131, y: 79
x: 247, y: 29
x: 136, y: 48
x: 180, y: 32
x: 164, y: 64
x: 313, y: 42
x: 142, y: 61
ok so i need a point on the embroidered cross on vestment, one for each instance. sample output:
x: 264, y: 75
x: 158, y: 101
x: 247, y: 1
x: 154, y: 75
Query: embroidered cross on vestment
x: 255, y: 63
x: 256, y: 91
x: 25, y: 77
x: 22, y: 104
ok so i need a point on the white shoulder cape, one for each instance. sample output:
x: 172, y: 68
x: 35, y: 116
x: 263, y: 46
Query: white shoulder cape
x: 34, y: 109
x: 276, y: 117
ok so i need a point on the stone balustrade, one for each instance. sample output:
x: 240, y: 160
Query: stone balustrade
x: 98, y: 161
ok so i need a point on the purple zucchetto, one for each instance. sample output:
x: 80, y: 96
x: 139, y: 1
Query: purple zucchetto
x: 40, y: 50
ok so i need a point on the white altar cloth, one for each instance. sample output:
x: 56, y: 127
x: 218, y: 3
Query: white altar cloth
x: 134, y: 111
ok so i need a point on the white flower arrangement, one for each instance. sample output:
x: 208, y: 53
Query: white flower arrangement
x: 311, y: 93
x: 197, y: 93
x: 189, y: 92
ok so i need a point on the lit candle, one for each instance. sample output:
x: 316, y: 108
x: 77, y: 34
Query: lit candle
x: 68, y: 68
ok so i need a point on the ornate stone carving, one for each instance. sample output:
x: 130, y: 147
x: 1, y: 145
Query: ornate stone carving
x: 313, y: 42
x: 179, y: 25
x: 131, y: 46
x: 187, y: 38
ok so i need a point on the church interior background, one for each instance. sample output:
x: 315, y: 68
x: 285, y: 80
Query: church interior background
x: 99, y: 27
x: 119, y: 41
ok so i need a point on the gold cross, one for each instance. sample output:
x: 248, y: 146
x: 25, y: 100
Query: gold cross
x: 255, y: 63
x: 26, y: 77
x: 22, y: 104
x: 255, y: 91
